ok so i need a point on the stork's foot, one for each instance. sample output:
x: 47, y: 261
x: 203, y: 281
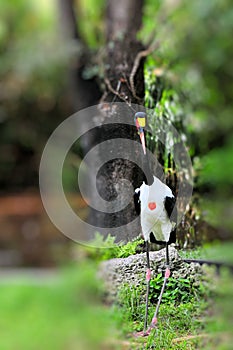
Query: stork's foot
x: 148, y: 331
x: 141, y: 334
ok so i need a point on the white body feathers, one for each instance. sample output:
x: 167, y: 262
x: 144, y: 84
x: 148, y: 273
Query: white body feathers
x: 156, y: 220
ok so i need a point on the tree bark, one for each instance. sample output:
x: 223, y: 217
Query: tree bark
x: 123, y: 21
x: 124, y: 82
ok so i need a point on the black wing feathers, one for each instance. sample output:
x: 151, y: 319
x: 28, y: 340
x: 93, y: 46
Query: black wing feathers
x: 137, y: 203
x: 170, y: 208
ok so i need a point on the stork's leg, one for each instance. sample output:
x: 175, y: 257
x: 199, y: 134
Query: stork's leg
x: 148, y: 277
x: 167, y: 274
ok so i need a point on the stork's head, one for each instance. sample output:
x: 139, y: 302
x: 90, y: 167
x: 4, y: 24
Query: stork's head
x: 140, y: 122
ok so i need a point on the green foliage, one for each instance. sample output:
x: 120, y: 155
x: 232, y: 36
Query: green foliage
x: 64, y: 312
x: 32, y: 70
x: 32, y: 308
x: 31, y: 49
x: 129, y: 248
x: 130, y: 301
x: 188, y: 80
x: 177, y: 289
x: 196, y: 253
x: 212, y: 168
x: 218, y: 250
x: 175, y: 319
x: 108, y: 249
x: 91, y: 21
x: 215, y: 251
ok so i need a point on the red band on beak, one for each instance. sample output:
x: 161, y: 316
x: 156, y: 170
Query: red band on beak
x: 142, y: 137
x: 152, y: 205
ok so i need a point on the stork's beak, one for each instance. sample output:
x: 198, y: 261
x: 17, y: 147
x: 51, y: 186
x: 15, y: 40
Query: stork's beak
x: 140, y: 121
x: 142, y: 137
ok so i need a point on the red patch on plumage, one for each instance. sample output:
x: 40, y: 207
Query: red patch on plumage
x: 152, y: 205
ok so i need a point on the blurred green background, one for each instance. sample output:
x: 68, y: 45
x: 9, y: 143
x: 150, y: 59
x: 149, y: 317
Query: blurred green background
x: 193, y: 69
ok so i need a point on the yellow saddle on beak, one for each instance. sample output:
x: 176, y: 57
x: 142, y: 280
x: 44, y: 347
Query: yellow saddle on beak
x: 142, y: 122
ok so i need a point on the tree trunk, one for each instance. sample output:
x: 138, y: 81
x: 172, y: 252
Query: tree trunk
x: 124, y: 82
x: 123, y: 22
x: 124, y: 19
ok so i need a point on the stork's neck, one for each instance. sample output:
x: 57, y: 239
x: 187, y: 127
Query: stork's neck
x: 149, y: 176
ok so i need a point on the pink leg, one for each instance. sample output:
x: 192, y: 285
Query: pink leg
x: 148, y: 278
x: 166, y: 276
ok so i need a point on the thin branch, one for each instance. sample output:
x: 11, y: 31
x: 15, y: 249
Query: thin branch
x: 137, y: 60
x: 115, y: 92
x: 190, y: 337
x: 203, y: 335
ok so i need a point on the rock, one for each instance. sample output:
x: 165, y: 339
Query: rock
x: 116, y: 273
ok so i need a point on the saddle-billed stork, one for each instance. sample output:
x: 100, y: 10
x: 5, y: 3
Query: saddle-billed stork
x: 155, y: 203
